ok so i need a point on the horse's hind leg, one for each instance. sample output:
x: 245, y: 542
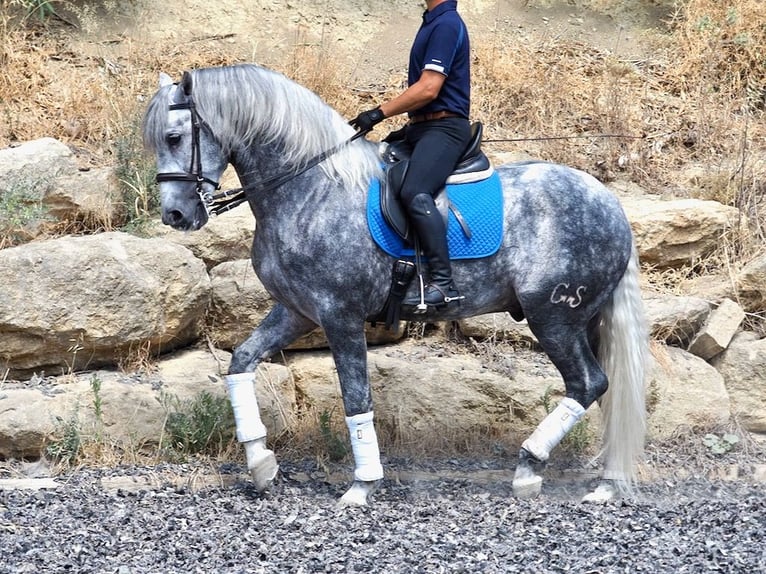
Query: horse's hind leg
x: 571, y: 349
x: 278, y: 329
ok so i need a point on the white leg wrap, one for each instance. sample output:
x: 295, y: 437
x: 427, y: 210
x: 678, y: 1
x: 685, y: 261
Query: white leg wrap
x: 245, y: 407
x: 364, y: 443
x: 553, y: 428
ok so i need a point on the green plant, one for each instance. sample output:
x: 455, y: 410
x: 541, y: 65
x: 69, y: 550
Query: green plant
x: 43, y: 9
x: 720, y: 444
x: 203, y: 424
x: 66, y: 448
x: 334, y: 445
x: 20, y: 210
x: 578, y: 439
x: 136, y: 172
x: 98, y: 407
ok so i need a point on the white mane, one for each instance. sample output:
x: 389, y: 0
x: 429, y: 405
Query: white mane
x: 246, y: 103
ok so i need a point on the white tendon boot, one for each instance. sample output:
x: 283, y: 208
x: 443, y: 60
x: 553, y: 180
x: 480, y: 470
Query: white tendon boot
x: 251, y: 431
x: 368, y: 470
x: 548, y: 434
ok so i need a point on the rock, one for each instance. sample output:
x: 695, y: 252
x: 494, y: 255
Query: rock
x: 751, y: 285
x: 240, y: 302
x: 718, y: 331
x: 419, y: 394
x: 133, y: 408
x: 92, y: 197
x: 31, y: 416
x: 79, y: 302
x: 677, y: 232
x: 497, y: 327
x: 684, y: 390
x: 675, y: 320
x: 713, y: 287
x: 34, y: 166
x: 743, y: 367
x: 227, y: 237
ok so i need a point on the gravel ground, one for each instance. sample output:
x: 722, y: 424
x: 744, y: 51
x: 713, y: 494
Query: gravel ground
x: 105, y: 521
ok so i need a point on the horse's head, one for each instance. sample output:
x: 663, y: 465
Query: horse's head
x: 190, y: 161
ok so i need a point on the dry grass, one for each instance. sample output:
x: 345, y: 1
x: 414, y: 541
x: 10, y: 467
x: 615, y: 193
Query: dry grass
x: 694, y: 107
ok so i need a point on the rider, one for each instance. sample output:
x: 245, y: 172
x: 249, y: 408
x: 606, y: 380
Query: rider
x: 438, y: 103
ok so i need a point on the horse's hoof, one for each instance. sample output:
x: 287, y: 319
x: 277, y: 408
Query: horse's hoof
x: 263, y: 469
x: 357, y: 494
x: 604, y: 493
x: 528, y: 486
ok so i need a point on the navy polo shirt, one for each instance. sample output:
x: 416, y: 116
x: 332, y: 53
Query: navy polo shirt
x: 442, y: 45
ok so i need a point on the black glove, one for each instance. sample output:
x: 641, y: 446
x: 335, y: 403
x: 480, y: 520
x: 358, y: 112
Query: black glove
x: 365, y: 121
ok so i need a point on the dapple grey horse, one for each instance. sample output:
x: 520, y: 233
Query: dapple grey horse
x: 566, y: 263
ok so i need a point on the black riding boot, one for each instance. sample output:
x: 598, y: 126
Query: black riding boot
x: 429, y: 227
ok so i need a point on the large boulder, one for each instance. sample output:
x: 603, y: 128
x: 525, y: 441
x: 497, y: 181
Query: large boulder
x: 90, y: 197
x: 684, y: 391
x: 78, y: 302
x: 33, y: 167
x: 671, y: 233
x: 743, y: 367
x: 418, y: 394
x: 751, y: 284
x: 132, y: 408
x: 675, y: 319
x: 227, y: 237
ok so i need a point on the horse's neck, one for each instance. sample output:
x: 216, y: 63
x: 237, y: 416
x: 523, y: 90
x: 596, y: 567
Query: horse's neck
x: 301, y: 193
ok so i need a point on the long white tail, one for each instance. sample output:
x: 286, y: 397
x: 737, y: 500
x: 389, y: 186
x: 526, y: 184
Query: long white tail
x: 624, y: 356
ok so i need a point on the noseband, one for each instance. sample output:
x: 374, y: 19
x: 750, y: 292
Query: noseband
x: 218, y: 203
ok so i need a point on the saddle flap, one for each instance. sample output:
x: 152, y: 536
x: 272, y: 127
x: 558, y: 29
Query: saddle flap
x: 392, y: 209
x: 390, y: 206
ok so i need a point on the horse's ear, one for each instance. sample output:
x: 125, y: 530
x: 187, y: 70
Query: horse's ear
x: 186, y: 84
x: 165, y: 80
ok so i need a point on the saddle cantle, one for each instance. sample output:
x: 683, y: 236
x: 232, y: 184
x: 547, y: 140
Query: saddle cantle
x: 473, y: 166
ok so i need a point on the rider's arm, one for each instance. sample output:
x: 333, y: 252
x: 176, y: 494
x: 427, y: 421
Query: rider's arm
x: 425, y: 90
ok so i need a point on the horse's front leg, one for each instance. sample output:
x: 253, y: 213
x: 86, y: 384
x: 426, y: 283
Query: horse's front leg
x: 280, y: 328
x: 349, y: 349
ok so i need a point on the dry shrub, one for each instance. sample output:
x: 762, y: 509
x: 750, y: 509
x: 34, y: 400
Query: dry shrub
x: 559, y: 98
x: 722, y: 45
x: 717, y: 77
x: 698, y: 99
x: 85, y: 100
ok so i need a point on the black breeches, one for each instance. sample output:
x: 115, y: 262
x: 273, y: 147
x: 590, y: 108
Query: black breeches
x: 436, y: 148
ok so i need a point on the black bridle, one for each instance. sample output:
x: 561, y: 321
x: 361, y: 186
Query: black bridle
x: 217, y: 203
x: 195, y: 165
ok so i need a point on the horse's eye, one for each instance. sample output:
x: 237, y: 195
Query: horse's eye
x: 173, y: 139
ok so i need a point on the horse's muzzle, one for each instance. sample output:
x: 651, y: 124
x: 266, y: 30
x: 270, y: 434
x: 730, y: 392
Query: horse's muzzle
x: 177, y: 219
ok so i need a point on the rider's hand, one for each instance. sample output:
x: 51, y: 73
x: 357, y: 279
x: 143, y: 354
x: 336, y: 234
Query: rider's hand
x: 365, y: 121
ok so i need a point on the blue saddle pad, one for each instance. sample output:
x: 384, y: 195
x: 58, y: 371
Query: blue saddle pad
x: 481, y: 205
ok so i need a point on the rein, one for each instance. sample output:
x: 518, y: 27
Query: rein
x: 217, y: 203
x: 551, y: 138
x: 231, y: 198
